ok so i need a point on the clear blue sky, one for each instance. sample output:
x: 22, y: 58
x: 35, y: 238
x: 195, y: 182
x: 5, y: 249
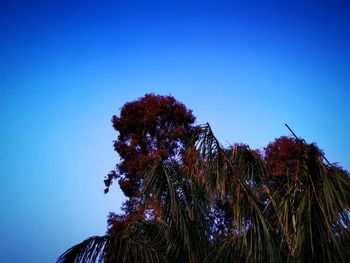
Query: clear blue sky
x: 245, y: 67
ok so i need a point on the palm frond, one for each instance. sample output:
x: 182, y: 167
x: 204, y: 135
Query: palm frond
x: 314, y: 211
x: 141, y: 242
x: 89, y: 250
x: 222, y: 205
x: 184, y: 209
x: 235, y: 170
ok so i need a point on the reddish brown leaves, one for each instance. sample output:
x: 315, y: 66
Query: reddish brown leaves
x: 282, y: 156
x: 129, y: 188
x: 151, y: 129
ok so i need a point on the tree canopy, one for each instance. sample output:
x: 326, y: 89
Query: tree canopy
x: 193, y: 200
x: 152, y: 129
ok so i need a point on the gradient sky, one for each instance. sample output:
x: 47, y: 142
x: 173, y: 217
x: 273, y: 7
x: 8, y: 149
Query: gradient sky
x: 245, y: 67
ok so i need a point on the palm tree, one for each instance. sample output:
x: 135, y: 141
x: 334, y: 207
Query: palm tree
x: 222, y: 205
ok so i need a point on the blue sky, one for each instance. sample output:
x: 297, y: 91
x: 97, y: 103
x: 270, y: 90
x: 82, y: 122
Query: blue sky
x: 246, y: 67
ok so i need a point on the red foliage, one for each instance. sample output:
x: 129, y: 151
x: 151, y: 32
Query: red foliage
x: 151, y: 129
x: 257, y: 154
x: 128, y: 187
x: 282, y: 156
x: 117, y: 224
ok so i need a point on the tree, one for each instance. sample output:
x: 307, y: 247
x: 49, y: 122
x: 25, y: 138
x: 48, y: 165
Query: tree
x: 216, y: 204
x: 151, y: 129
